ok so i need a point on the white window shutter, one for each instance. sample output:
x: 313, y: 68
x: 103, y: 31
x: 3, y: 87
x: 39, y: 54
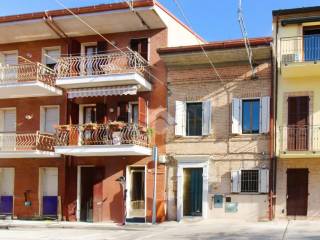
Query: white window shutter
x: 236, y: 116
x: 265, y: 114
x: 236, y: 181
x: 206, y: 117
x: 51, y: 119
x: 264, y: 181
x: 180, y: 128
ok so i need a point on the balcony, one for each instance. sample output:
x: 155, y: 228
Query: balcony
x: 101, y: 70
x: 111, y: 139
x: 27, y: 145
x: 27, y: 80
x: 299, y: 141
x: 300, y: 56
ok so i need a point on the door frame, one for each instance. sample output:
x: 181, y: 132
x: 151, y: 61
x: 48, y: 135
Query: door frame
x: 128, y: 186
x: 192, y: 164
x: 78, y: 208
x: 13, y: 185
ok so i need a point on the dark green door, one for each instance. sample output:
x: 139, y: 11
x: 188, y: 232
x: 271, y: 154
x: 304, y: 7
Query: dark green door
x: 192, y: 191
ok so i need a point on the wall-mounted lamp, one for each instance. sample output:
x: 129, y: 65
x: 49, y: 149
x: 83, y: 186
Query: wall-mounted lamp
x: 29, y: 55
x: 111, y: 110
x: 28, y: 116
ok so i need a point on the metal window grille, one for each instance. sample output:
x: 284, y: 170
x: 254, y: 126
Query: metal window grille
x: 249, y: 181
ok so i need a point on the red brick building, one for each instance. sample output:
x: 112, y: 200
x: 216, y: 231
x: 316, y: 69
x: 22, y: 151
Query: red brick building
x: 77, y: 112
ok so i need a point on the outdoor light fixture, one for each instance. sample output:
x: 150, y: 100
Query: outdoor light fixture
x: 28, y: 116
x: 111, y: 110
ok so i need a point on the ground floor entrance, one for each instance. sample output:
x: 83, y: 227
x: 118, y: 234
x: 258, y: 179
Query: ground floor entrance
x: 136, y: 194
x: 297, y: 191
x: 90, y: 193
x: 6, y: 191
x: 192, y: 191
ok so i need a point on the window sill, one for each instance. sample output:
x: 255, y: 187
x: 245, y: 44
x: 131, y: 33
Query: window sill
x: 244, y: 193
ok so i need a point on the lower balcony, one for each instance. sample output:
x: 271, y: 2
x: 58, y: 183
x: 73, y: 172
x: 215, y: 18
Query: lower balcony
x: 110, y: 139
x: 299, y: 141
x: 27, y: 80
x: 27, y: 145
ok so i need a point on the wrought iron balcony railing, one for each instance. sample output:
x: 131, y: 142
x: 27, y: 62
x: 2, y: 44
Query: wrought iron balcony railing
x: 101, y: 134
x: 299, y: 138
x: 300, y: 49
x: 11, y: 142
x: 26, y: 72
x: 101, y: 64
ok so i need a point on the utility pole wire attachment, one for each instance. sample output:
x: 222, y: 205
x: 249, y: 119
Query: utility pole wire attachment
x: 246, y: 39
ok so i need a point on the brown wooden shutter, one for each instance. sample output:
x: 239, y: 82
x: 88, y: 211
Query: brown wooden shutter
x: 123, y: 112
x: 142, y: 108
x: 101, y: 113
x: 298, y: 123
x: 74, y: 47
x: 140, y: 46
x: 102, y: 47
x: 74, y: 113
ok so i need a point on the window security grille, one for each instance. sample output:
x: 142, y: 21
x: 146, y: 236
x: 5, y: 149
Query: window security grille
x: 250, y: 181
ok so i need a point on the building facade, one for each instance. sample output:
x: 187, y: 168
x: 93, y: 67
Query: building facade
x: 297, y: 70
x: 80, y: 111
x: 218, y: 141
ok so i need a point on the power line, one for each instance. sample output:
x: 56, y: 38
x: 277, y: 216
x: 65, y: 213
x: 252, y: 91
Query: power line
x: 199, y: 42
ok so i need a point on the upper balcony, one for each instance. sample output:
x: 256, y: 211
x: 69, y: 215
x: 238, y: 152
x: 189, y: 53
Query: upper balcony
x: 27, y: 145
x: 300, y: 56
x: 110, y: 139
x: 27, y: 80
x: 299, y: 141
x: 111, y: 69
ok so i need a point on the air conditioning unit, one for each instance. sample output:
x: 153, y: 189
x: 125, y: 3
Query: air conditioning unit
x: 289, y: 58
x: 163, y: 159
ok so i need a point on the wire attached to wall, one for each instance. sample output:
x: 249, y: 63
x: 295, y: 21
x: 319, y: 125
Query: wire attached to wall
x: 246, y: 38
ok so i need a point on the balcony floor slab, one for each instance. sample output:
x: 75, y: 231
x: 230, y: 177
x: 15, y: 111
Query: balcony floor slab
x: 28, y: 89
x: 103, y: 150
x: 28, y: 154
x: 131, y: 78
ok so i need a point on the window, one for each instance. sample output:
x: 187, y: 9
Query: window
x: 89, y: 114
x: 49, y: 118
x: 140, y: 46
x: 10, y: 58
x: 50, y: 57
x: 8, y: 120
x: 134, y: 113
x: 250, y: 116
x: 193, y: 119
x: 250, y: 181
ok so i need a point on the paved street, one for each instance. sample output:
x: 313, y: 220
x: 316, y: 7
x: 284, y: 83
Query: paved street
x: 224, y: 230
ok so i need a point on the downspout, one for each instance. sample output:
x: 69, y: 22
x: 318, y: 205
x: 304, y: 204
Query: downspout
x: 273, y: 121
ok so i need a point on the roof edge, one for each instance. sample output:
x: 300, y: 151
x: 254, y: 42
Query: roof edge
x: 295, y: 10
x: 229, y: 44
x: 79, y: 10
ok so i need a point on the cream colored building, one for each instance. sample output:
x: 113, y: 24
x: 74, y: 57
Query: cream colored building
x: 297, y: 52
x: 218, y: 141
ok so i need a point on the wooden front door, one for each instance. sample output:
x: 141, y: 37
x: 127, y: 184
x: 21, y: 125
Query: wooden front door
x: 192, y: 191
x: 298, y: 123
x: 297, y: 192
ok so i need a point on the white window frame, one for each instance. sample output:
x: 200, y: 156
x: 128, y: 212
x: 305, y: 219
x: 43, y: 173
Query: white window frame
x: 81, y: 110
x: 3, y: 53
x: 87, y: 44
x: 43, y: 118
x: 45, y: 49
x: 149, y: 45
x: 130, y: 116
x: 2, y: 117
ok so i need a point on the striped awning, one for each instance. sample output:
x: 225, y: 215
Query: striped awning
x: 103, y: 91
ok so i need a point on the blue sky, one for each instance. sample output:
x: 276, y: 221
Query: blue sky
x: 212, y: 19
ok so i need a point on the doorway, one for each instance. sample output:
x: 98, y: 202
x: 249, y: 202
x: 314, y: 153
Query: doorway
x: 90, y: 194
x: 136, y: 195
x: 49, y: 192
x: 297, y: 192
x: 192, y: 191
x: 6, y: 191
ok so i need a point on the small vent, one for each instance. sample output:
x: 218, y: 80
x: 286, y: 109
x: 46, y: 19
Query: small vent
x: 288, y: 58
